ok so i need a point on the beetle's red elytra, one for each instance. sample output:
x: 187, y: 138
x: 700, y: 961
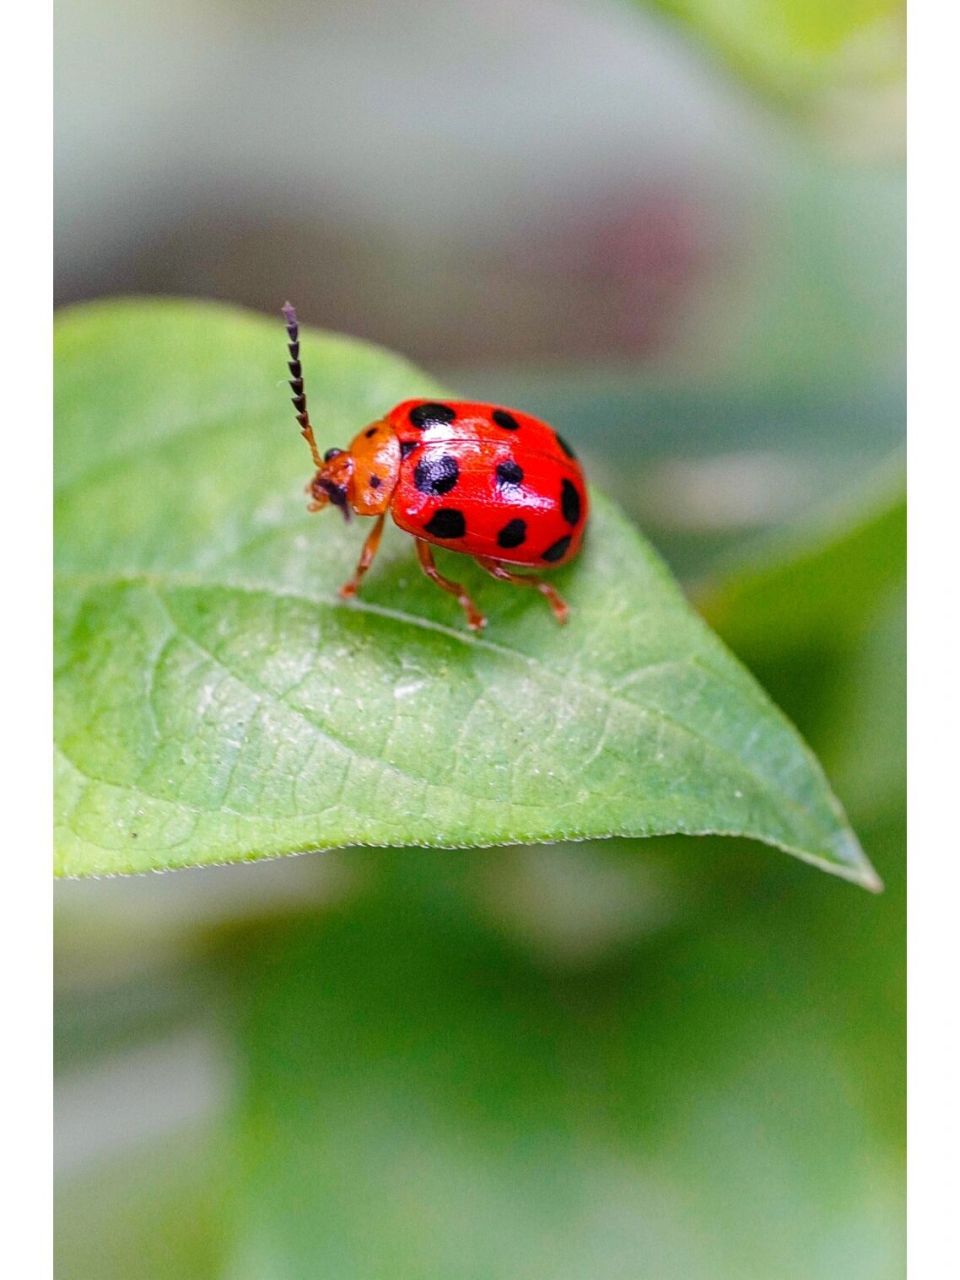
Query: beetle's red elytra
x: 492, y: 483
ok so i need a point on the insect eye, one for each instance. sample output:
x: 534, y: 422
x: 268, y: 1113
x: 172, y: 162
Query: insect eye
x: 331, y: 454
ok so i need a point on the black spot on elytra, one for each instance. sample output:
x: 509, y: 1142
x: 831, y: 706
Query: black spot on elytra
x: 407, y: 447
x: 509, y: 473
x: 513, y: 534
x: 557, y: 550
x: 447, y: 523
x: 437, y: 475
x: 570, y: 502
x: 370, y: 432
x: 564, y: 446
x: 505, y: 420
x: 375, y: 482
x: 425, y: 415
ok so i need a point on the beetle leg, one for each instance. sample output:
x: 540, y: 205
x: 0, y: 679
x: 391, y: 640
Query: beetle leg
x: 350, y: 589
x: 561, y: 610
x: 475, y: 619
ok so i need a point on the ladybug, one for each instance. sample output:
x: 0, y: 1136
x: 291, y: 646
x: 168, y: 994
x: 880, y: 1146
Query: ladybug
x: 489, y: 482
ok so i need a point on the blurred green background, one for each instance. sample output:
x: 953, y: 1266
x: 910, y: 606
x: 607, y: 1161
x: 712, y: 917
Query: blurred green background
x: 677, y: 231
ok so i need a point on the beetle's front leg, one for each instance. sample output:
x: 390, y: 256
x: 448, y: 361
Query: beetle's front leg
x: 350, y: 589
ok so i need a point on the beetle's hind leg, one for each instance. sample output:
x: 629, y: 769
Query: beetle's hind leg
x: 475, y: 619
x: 559, y: 606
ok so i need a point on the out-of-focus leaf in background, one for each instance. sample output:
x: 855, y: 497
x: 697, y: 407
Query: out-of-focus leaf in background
x: 795, y: 46
x: 216, y: 702
x: 806, y: 587
x: 811, y: 610
x: 420, y: 1099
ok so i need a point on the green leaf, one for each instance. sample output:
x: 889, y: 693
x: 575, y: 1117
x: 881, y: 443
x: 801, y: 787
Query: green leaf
x: 217, y: 701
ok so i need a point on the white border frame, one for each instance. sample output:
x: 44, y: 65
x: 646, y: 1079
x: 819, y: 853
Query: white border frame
x: 26, y: 536
x: 933, y: 627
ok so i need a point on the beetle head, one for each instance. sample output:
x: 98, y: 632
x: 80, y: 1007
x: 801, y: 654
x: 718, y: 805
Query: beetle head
x: 331, y: 483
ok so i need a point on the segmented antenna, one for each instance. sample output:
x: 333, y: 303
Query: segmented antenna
x: 296, y: 382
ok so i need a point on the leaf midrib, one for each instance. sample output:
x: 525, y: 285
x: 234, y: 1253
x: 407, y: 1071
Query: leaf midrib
x: 157, y: 581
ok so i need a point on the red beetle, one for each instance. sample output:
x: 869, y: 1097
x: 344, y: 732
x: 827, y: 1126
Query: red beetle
x: 492, y: 483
